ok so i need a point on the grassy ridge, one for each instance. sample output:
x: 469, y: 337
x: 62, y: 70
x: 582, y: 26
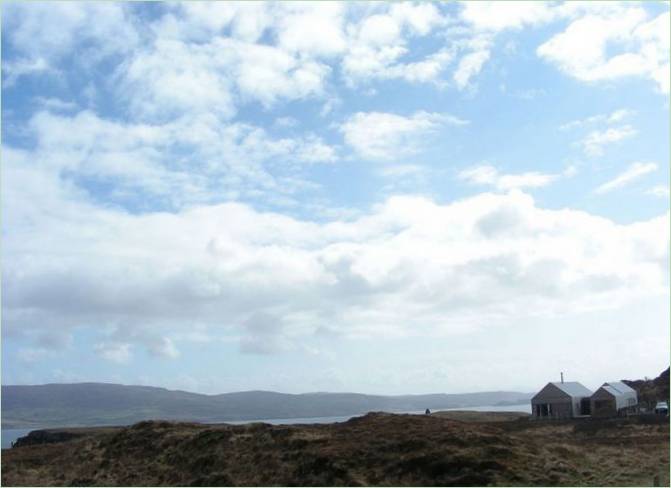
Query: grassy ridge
x: 448, y: 449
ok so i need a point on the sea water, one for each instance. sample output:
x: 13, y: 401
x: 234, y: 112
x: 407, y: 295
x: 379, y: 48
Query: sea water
x: 10, y: 435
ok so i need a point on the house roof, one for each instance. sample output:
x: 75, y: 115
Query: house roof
x: 611, y: 390
x: 620, y: 387
x: 573, y: 388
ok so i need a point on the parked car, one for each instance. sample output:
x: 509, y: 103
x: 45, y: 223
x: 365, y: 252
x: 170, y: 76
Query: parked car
x: 662, y: 408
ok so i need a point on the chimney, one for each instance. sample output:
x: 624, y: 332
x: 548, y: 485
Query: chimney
x: 562, y: 377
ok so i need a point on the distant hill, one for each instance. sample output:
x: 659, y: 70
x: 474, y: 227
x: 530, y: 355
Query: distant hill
x: 652, y: 391
x: 88, y: 404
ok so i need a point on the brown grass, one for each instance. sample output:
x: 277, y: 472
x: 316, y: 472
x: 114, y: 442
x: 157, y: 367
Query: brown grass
x: 377, y: 449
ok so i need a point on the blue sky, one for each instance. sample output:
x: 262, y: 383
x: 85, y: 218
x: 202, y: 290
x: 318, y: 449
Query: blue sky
x: 374, y: 197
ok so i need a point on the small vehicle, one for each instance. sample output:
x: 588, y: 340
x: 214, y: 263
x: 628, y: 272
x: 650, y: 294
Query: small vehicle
x: 662, y: 408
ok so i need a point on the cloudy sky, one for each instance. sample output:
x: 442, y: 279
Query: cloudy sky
x: 374, y: 197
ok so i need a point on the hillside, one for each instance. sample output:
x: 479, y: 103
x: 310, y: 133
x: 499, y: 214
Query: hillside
x: 652, y: 391
x: 445, y: 449
x: 88, y: 404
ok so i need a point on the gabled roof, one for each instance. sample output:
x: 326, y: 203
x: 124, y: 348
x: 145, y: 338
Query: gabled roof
x: 611, y: 390
x: 573, y: 388
x: 620, y: 387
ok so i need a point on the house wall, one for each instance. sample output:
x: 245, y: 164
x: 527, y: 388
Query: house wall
x: 555, y: 409
x: 564, y: 410
x: 562, y: 405
x: 603, y: 407
x: 626, y: 401
x: 550, y: 394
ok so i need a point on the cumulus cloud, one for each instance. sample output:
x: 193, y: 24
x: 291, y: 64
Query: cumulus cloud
x: 483, y: 22
x: 313, y: 29
x: 633, y: 172
x: 43, y: 34
x: 177, y: 76
x: 210, y: 57
x: 490, y: 176
x: 498, y: 16
x: 385, y: 136
x: 408, y: 266
x: 613, y: 42
x: 604, y: 40
x: 377, y: 44
x: 217, y: 56
x: 218, y: 159
x: 129, y: 224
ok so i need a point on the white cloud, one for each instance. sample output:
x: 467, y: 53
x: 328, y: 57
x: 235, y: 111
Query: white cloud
x: 115, y: 352
x: 616, y: 116
x: 193, y: 65
x: 596, y: 140
x: 13, y: 70
x: 377, y: 44
x: 633, y: 172
x: 483, y: 21
x: 314, y: 150
x: 661, y: 191
x: 611, y: 43
x: 381, y: 274
x: 176, y: 77
x: 402, y: 170
x: 489, y: 175
x: 469, y: 66
x: 201, y: 21
x: 385, y: 136
x: 163, y: 347
x: 419, y: 18
x: 501, y: 15
x: 55, y: 104
x: 32, y: 354
x: 312, y: 29
x: 44, y: 32
x: 217, y: 160
x: 286, y: 122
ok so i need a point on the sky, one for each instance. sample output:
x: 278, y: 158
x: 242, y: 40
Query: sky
x: 385, y: 198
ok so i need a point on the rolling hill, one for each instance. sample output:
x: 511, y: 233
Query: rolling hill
x: 88, y: 404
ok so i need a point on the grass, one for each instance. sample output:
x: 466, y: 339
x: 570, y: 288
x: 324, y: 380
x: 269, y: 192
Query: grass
x: 445, y: 449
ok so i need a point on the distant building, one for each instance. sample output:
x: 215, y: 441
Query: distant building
x: 561, y: 400
x: 613, y: 398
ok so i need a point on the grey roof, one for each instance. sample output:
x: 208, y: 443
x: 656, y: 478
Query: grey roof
x: 573, y: 388
x: 620, y: 387
x: 611, y: 390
